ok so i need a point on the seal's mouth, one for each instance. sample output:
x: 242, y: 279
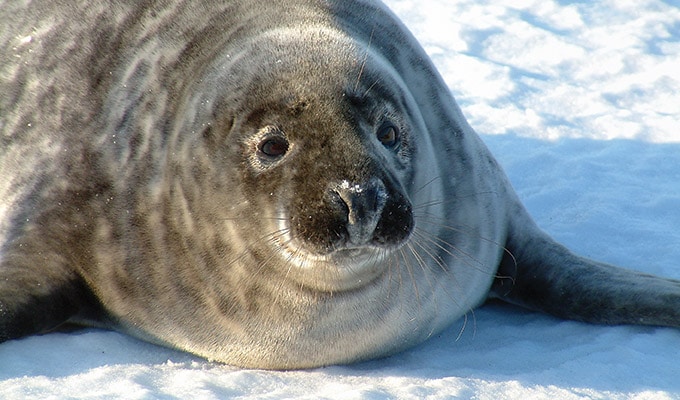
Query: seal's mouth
x: 346, y: 268
x: 354, y: 257
x: 351, y: 257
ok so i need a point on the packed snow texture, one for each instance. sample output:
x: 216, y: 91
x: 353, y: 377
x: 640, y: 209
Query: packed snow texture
x: 580, y: 103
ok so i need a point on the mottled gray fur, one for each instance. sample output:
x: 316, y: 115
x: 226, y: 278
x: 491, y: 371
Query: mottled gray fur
x: 273, y: 184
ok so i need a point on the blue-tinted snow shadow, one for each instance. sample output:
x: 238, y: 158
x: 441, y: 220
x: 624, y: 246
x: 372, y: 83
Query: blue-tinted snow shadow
x: 62, y: 354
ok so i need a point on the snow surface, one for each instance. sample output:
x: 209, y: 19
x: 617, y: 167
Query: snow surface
x: 580, y: 102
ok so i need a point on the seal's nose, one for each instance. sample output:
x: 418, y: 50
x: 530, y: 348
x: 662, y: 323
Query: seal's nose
x: 365, y: 203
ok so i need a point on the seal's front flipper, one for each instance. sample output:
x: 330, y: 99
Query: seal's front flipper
x: 35, y: 301
x: 543, y: 275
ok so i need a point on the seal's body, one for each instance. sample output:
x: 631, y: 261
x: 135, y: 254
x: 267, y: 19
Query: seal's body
x: 268, y: 184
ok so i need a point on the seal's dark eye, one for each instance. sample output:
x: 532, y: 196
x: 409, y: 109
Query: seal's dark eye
x: 388, y: 134
x: 273, y: 147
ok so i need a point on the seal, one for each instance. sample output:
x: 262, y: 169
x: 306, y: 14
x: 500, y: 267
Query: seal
x: 269, y: 184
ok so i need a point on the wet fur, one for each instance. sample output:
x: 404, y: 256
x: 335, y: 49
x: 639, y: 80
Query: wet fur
x: 132, y: 195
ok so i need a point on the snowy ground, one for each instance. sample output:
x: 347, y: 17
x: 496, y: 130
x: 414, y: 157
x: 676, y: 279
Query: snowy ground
x: 580, y: 102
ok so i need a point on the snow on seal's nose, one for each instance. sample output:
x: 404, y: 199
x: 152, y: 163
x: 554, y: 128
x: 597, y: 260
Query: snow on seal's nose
x: 365, y: 203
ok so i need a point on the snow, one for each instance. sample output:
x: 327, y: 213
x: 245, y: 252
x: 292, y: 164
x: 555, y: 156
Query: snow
x: 580, y: 102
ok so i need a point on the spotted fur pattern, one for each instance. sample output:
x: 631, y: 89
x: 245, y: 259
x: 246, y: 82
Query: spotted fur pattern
x: 272, y: 184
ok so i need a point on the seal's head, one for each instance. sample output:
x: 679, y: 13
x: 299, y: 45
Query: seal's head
x: 320, y: 144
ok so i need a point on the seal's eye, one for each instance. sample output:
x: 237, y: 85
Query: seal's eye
x: 388, y: 134
x: 273, y: 147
